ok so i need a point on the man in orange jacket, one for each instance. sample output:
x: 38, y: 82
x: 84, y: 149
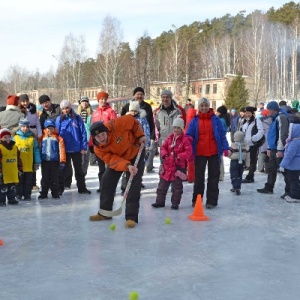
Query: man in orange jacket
x: 117, y: 144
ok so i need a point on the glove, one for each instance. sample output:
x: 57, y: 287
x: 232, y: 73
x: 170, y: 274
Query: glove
x: 91, y: 148
x: 281, y: 169
x: 36, y: 167
x: 61, y: 166
x: 226, y: 153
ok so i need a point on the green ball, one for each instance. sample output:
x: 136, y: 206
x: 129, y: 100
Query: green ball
x: 168, y: 221
x: 133, y: 295
x: 112, y: 227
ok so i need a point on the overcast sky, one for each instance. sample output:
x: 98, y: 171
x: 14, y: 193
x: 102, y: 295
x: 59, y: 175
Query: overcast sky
x: 32, y: 31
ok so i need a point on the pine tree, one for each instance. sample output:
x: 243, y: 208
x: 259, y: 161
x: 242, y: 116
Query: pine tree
x: 237, y: 95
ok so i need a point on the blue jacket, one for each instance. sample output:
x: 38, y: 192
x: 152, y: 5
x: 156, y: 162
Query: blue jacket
x: 291, y: 159
x: 278, y: 131
x: 218, y: 130
x: 234, y: 121
x: 71, y: 129
x: 141, y: 117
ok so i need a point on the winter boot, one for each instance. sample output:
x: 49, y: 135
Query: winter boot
x: 99, y: 217
x: 13, y: 201
x: 2, y: 203
x: 237, y: 192
x: 157, y: 205
x: 266, y: 190
x: 130, y: 224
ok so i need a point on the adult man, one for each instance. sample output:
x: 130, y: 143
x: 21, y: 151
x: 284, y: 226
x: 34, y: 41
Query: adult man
x: 165, y: 114
x: 10, y: 117
x: 71, y: 128
x: 234, y: 121
x: 117, y: 144
x: 50, y: 110
x: 138, y: 95
x: 188, y: 105
x: 277, y: 135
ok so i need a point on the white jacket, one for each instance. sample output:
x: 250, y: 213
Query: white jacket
x: 247, y: 128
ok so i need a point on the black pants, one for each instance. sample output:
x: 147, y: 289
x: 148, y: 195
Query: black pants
x: 101, y: 167
x: 109, y: 184
x: 212, y: 190
x: 163, y: 186
x: 236, y: 173
x: 68, y: 175
x: 7, y: 190
x: 50, y: 180
x: 24, y: 186
x: 271, y: 167
x: 253, y: 150
x: 76, y: 158
x: 292, y: 186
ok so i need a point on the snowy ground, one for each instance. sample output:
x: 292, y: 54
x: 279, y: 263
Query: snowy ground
x: 250, y: 248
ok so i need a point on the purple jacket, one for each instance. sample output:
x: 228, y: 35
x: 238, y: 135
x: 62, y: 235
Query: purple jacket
x: 175, y: 152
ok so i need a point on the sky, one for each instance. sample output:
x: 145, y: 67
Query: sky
x: 32, y: 32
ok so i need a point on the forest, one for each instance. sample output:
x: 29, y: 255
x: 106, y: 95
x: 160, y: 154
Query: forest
x: 261, y: 45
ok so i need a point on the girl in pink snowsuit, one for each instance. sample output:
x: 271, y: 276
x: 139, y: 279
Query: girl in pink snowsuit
x: 175, y: 152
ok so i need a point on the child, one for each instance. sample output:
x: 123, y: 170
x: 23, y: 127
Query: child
x: 30, y: 156
x: 10, y: 167
x: 291, y: 165
x: 237, y: 154
x: 53, y: 159
x: 175, y: 152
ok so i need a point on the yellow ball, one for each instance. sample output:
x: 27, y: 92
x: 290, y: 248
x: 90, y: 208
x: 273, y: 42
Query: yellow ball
x: 112, y: 227
x: 133, y: 295
x: 168, y: 221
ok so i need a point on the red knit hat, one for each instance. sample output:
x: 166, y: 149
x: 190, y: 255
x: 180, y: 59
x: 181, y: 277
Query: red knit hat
x: 4, y: 132
x: 102, y: 95
x: 12, y: 100
x: 265, y: 112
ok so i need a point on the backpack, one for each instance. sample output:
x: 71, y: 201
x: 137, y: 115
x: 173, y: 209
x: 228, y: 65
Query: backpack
x: 254, y: 131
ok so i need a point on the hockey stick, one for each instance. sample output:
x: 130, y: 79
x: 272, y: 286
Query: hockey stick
x: 109, y: 213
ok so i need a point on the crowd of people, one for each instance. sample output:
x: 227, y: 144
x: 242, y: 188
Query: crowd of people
x: 189, y: 139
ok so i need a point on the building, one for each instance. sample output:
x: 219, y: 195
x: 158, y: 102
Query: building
x: 214, y: 89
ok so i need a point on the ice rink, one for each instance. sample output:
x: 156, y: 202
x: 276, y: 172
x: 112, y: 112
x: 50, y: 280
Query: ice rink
x: 249, y: 249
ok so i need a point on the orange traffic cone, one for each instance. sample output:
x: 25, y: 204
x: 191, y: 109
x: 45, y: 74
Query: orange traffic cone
x: 198, y: 214
x: 1, y: 242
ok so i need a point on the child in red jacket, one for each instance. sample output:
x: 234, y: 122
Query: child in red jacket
x: 175, y: 152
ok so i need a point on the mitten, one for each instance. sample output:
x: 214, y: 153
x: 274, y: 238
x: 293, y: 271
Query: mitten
x: 226, y: 153
x: 36, y: 167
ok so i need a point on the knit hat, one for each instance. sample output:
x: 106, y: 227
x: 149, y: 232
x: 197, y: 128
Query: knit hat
x: 138, y: 89
x: 23, y: 97
x: 49, y: 123
x: 102, y: 95
x: 134, y: 105
x: 44, y: 98
x: 97, y: 128
x: 65, y: 103
x: 24, y: 122
x: 203, y: 100
x: 178, y: 122
x: 166, y: 92
x: 238, y: 136
x: 222, y: 110
x: 84, y: 98
x: 233, y: 110
x: 251, y: 109
x: 12, y: 100
x: 273, y: 105
x: 4, y: 132
x: 264, y: 112
x: 282, y: 103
